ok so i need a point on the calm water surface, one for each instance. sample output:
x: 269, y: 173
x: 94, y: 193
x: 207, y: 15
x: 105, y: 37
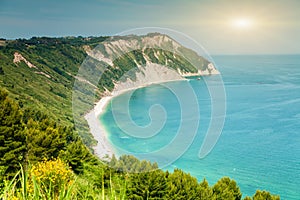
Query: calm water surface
x: 260, y: 143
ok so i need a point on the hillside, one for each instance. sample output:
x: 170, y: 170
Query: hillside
x: 41, y: 155
x: 40, y: 72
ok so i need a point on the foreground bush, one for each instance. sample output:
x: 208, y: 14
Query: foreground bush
x: 53, y: 178
x: 50, y: 179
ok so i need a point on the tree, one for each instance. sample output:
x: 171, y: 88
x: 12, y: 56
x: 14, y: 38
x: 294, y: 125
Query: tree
x: 227, y: 189
x: 12, y: 137
x: 147, y: 185
x: 130, y: 164
x: 75, y: 155
x: 264, y: 195
x: 44, y: 140
x: 206, y: 192
x: 35, y: 115
x: 183, y: 186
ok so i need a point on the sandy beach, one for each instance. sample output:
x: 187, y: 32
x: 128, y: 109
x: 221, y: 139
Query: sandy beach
x: 103, y: 149
x: 151, y: 74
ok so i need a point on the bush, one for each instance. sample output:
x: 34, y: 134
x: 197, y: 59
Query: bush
x: 52, y: 176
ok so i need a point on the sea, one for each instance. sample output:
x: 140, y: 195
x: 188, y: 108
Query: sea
x: 259, y: 145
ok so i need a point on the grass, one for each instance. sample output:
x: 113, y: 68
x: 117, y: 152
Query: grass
x: 23, y: 186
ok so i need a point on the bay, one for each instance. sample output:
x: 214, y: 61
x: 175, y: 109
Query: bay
x: 260, y: 143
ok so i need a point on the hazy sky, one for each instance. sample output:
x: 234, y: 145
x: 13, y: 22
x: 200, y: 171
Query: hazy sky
x: 221, y: 26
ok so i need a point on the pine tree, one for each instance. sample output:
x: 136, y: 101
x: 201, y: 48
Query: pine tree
x: 227, y: 189
x: 130, y: 164
x: 44, y: 140
x: 12, y: 137
x: 206, y: 192
x: 183, y: 186
x: 147, y: 185
x: 264, y: 195
x: 75, y: 155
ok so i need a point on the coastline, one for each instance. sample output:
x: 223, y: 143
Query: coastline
x: 104, y: 149
x: 149, y: 75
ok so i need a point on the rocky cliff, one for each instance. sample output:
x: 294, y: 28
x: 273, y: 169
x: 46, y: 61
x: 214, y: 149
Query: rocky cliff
x: 141, y: 60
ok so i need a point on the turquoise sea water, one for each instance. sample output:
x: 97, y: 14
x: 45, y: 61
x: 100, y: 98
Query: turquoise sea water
x: 260, y: 142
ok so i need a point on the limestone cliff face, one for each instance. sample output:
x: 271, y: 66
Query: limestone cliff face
x: 149, y: 74
x: 140, y: 60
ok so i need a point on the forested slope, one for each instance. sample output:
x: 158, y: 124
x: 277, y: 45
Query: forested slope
x: 40, y: 72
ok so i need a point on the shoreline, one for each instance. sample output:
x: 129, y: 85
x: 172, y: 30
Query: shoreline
x: 152, y: 75
x: 104, y: 149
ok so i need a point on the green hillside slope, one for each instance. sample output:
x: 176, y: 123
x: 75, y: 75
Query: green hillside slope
x: 40, y: 72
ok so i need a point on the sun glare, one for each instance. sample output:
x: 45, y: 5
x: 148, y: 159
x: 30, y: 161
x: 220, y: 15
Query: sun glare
x: 242, y: 23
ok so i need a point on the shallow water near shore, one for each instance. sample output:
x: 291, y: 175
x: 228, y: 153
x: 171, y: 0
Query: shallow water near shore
x: 260, y: 142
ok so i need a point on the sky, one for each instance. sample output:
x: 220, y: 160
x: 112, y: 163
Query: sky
x: 220, y: 26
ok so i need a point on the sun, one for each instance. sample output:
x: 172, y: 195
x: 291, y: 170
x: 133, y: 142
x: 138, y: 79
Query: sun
x: 242, y: 23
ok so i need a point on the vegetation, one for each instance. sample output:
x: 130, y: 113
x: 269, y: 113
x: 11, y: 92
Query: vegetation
x: 130, y: 60
x: 226, y: 188
x: 48, y: 86
x: 41, y: 159
x: 59, y: 59
x: 42, y: 156
x: 183, y: 186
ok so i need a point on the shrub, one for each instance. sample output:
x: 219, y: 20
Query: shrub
x: 53, y: 177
